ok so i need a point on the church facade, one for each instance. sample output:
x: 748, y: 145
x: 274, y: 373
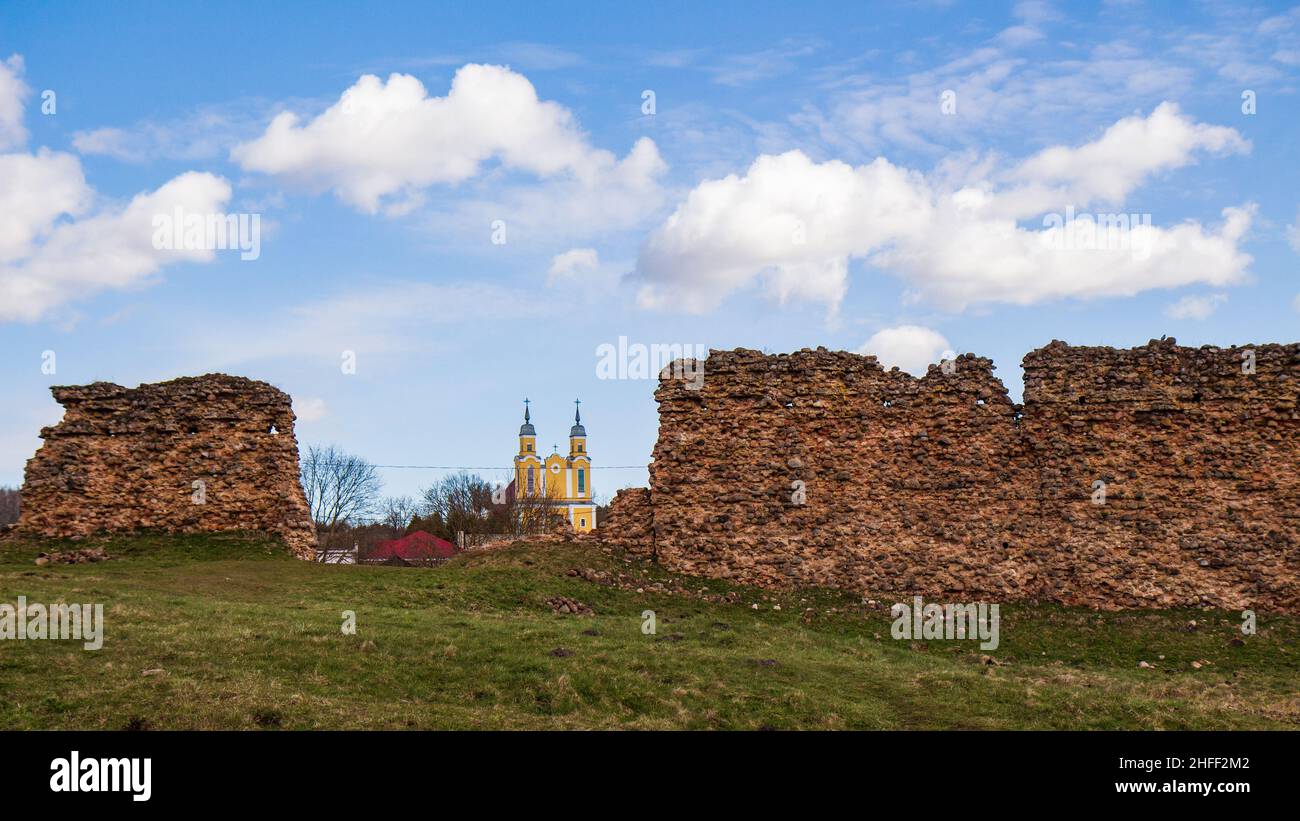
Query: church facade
x: 560, y: 482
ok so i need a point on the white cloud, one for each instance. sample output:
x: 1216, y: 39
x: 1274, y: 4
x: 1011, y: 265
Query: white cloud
x: 1033, y: 15
x: 206, y: 133
x: 13, y: 94
x: 1017, y: 36
x: 310, y: 409
x: 109, y: 142
x: 997, y: 92
x: 1195, y: 307
x: 35, y: 190
x: 383, y: 143
x: 911, y: 348
x: 794, y: 226
x: 1085, y: 78
x: 59, y: 241
x: 1035, y: 11
x: 109, y: 249
x: 572, y: 265
x: 1080, y: 75
x: 1126, y: 155
x: 563, y: 208
x: 753, y: 67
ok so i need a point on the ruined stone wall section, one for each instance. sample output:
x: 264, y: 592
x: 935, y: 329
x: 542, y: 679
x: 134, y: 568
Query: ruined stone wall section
x: 629, y: 524
x: 1201, y: 465
x: 940, y: 485
x: 123, y: 460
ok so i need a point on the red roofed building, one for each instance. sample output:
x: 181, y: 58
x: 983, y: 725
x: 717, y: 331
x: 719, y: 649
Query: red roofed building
x: 414, y: 548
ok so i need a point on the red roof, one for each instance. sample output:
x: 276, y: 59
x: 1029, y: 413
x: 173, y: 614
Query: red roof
x: 417, y: 545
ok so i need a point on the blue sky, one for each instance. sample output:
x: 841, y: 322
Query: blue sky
x: 803, y: 179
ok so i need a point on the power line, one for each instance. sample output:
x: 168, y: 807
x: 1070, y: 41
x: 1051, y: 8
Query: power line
x: 508, y: 467
x: 336, y: 463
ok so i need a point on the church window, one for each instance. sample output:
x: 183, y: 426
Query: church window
x: 582, y: 480
x: 582, y: 523
x: 530, y: 482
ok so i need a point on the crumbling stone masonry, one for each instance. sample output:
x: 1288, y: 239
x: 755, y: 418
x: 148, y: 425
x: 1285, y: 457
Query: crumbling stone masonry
x: 1158, y: 476
x: 198, y: 454
x: 629, y: 523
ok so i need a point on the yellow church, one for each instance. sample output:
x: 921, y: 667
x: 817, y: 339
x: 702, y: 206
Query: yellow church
x: 562, y: 483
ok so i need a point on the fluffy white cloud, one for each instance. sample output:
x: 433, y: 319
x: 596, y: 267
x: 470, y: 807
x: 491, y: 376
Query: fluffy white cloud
x: 111, y: 248
x: 794, y: 225
x: 35, y: 190
x: 310, y: 409
x: 383, y: 143
x: 108, y: 142
x: 572, y: 264
x: 13, y: 94
x: 1196, y: 307
x: 1109, y: 168
x: 59, y: 241
x: 911, y: 348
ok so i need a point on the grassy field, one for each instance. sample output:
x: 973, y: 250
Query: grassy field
x: 230, y: 632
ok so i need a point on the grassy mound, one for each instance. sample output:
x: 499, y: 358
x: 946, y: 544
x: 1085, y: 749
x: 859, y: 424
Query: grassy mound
x: 230, y: 632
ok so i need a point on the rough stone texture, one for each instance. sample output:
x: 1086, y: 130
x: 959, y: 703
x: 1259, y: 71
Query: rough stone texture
x: 941, y: 486
x: 124, y: 460
x: 628, y: 524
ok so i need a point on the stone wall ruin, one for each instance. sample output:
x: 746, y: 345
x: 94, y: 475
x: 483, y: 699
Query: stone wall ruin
x: 192, y: 455
x: 941, y: 486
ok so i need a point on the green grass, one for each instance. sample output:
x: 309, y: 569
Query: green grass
x: 246, y: 637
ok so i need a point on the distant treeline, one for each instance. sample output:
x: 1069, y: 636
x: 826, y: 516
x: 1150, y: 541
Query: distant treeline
x: 10, y: 502
x: 347, y: 503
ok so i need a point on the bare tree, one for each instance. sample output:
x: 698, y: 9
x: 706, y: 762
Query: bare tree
x: 341, y: 488
x: 536, y: 513
x: 10, y: 504
x: 463, y: 502
x: 396, y: 514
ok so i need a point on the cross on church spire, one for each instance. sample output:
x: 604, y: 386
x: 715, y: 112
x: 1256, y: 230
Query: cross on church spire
x: 577, y: 415
x: 526, y: 409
